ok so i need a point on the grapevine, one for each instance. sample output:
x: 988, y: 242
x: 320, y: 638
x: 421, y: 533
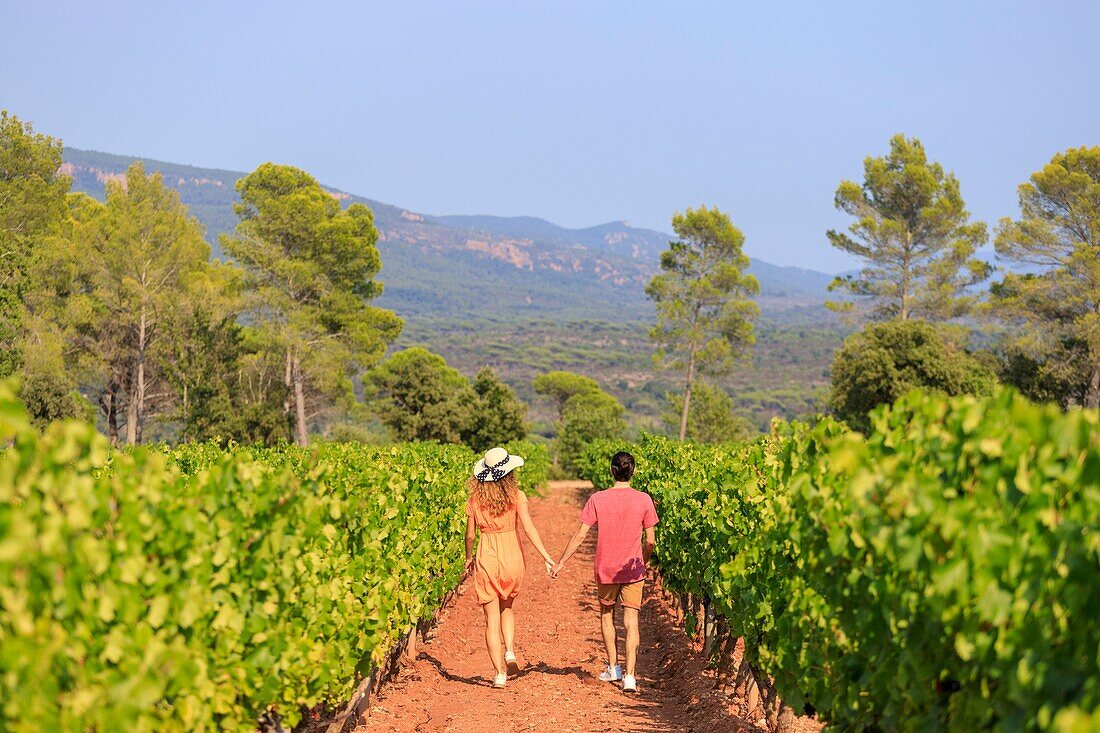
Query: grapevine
x: 940, y: 573
x: 197, y: 589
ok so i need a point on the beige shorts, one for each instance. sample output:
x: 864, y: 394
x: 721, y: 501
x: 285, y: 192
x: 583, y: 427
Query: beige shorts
x: 628, y: 594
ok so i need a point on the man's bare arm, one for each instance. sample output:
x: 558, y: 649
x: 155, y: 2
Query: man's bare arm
x: 574, y: 543
x: 650, y: 543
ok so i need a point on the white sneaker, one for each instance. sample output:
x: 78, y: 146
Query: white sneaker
x: 499, y: 681
x: 511, y: 663
x: 630, y: 684
x: 612, y: 674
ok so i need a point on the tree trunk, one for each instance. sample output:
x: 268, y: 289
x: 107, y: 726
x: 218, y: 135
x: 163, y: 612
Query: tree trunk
x: 299, y: 402
x: 687, y: 396
x: 903, y: 314
x: 1092, y: 397
x: 110, y: 408
x: 690, y: 376
x: 139, y: 413
x: 288, y: 381
x: 131, y: 412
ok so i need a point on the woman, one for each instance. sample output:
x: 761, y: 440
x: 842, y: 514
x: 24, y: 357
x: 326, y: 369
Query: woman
x: 494, y: 505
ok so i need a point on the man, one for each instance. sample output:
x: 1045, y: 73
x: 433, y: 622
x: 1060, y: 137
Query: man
x: 621, y: 515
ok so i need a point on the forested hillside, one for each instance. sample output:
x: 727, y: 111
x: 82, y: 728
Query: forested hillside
x: 523, y: 295
x: 477, y: 265
x: 787, y: 374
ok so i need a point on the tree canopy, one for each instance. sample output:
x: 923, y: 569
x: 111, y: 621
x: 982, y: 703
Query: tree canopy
x: 113, y: 290
x: 914, y: 234
x: 559, y: 386
x: 32, y: 206
x: 150, y: 254
x: 1055, y: 300
x: 586, y: 417
x: 418, y: 397
x: 495, y: 415
x: 886, y: 360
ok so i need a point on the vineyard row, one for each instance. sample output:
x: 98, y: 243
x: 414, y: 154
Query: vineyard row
x: 940, y: 573
x: 201, y: 588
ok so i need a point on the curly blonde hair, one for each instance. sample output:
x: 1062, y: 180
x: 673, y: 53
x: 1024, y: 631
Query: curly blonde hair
x: 496, y: 497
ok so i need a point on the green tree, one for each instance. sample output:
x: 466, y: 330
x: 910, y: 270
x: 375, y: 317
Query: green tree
x: 587, y: 417
x: 713, y: 418
x: 559, y: 386
x: 147, y: 250
x: 914, y: 233
x: 886, y: 360
x: 47, y: 386
x: 114, y: 286
x: 227, y: 379
x: 32, y: 205
x: 495, y: 415
x: 71, y: 305
x: 61, y: 346
x: 1036, y: 375
x: 313, y: 268
x: 1056, y: 303
x: 418, y: 397
x: 704, y: 299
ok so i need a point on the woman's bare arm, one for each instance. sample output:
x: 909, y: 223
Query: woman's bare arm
x: 533, y: 534
x: 471, y: 534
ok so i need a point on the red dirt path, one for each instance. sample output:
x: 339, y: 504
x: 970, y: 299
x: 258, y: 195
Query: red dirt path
x: 560, y: 650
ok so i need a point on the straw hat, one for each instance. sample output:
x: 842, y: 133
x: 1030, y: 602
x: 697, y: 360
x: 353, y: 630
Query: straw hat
x: 495, y: 465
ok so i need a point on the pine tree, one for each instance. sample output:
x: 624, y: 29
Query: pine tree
x: 704, y: 299
x: 312, y: 267
x: 1056, y: 301
x: 914, y: 234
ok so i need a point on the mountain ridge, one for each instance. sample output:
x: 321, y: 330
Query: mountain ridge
x: 441, y: 264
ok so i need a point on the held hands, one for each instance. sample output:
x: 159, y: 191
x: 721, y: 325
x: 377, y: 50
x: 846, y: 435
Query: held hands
x: 552, y: 568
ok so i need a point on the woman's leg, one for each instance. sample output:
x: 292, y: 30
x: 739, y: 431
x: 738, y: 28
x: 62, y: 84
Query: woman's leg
x: 508, y: 624
x: 492, y: 634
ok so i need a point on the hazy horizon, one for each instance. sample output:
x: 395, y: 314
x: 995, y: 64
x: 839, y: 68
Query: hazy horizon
x: 576, y: 113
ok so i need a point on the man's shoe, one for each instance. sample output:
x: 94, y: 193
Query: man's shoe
x: 612, y: 674
x: 630, y: 684
x: 511, y: 663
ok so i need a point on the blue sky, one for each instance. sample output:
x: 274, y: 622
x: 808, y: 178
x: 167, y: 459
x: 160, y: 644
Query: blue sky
x: 579, y: 112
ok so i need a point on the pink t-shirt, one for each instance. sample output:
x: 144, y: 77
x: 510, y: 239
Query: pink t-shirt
x: 620, y: 515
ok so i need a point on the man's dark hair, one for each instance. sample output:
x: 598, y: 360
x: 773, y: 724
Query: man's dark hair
x: 622, y: 466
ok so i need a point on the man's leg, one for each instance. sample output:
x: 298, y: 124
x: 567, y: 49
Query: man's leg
x: 610, y: 640
x: 632, y: 602
x: 492, y: 634
x: 630, y: 621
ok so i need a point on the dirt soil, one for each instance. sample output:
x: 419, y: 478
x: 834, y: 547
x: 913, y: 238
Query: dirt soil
x: 447, y: 687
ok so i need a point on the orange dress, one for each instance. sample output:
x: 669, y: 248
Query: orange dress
x: 500, y: 566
